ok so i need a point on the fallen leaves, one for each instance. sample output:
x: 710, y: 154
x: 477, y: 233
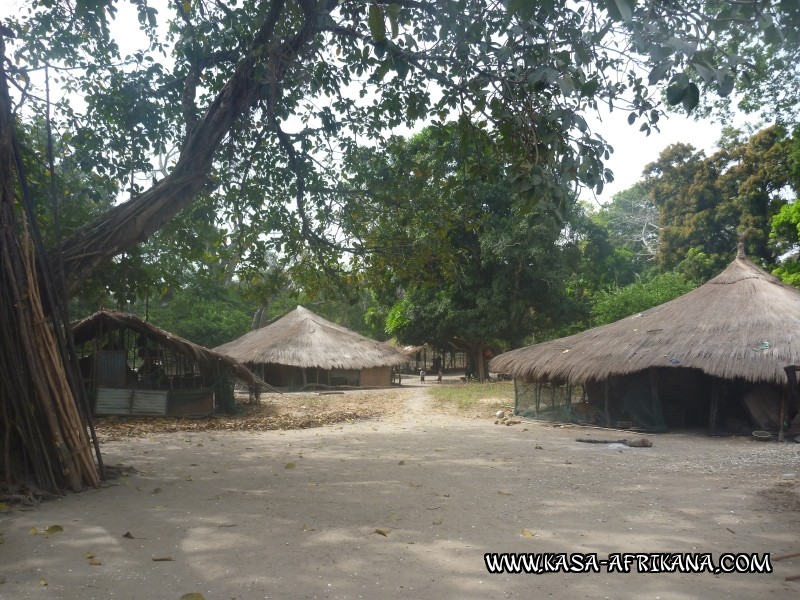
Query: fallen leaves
x: 528, y: 533
x: 193, y: 596
x: 163, y: 559
x: 383, y: 532
x: 296, y: 411
x: 48, y: 531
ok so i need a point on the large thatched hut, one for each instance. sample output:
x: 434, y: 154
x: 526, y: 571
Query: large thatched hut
x: 303, y: 350
x: 714, y: 357
x: 131, y: 367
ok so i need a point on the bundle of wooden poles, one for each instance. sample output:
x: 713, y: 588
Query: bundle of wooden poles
x: 44, y: 430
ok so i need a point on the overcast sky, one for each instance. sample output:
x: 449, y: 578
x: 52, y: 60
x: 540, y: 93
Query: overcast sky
x: 633, y: 150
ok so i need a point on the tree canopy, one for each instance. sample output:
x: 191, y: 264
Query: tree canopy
x: 257, y: 101
x: 709, y: 203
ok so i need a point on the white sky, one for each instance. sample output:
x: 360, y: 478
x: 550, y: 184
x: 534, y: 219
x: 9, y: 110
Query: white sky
x: 633, y: 150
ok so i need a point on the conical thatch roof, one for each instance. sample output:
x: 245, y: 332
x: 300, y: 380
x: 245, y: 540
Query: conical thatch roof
x: 105, y: 321
x: 744, y: 324
x: 304, y: 339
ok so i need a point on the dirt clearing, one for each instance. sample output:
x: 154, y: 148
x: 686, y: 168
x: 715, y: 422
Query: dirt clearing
x: 406, y: 505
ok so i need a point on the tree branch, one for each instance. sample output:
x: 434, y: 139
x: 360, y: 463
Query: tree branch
x: 129, y: 223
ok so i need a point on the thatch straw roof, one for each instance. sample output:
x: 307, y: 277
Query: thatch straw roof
x: 304, y: 339
x: 744, y: 324
x: 105, y: 321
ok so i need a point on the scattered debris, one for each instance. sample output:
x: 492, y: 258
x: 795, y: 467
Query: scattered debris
x: 640, y: 443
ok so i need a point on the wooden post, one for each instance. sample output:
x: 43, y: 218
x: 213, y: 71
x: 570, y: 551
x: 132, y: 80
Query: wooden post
x: 655, y: 400
x: 538, y: 396
x: 608, y: 414
x: 714, y: 408
x: 782, y: 417
x: 516, y: 395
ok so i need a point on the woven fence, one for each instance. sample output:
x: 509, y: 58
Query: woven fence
x: 548, y: 401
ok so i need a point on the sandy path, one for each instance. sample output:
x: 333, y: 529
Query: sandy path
x: 295, y: 514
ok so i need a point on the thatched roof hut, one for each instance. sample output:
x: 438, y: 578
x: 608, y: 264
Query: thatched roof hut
x: 302, y: 349
x: 741, y: 327
x: 128, y: 363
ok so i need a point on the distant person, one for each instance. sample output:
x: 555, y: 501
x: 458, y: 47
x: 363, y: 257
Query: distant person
x: 422, y: 376
x: 439, y: 378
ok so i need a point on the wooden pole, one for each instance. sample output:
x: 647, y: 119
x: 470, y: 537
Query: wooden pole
x: 656, y: 401
x: 605, y: 393
x: 714, y: 408
x: 782, y: 417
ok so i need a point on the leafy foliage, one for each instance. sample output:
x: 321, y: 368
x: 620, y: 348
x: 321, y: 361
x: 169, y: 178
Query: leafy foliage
x: 206, y: 313
x: 709, y: 203
x: 268, y: 95
x: 453, y: 259
x: 619, y: 303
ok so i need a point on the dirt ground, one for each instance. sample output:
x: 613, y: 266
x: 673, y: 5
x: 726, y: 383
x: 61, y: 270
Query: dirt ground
x: 402, y: 499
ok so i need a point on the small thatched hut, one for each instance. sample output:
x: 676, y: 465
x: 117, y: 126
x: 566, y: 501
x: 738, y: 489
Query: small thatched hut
x: 714, y: 357
x: 131, y: 367
x: 302, y: 350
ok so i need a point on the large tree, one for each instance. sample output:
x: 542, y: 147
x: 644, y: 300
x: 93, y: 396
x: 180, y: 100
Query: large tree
x: 258, y: 98
x: 706, y: 204
x: 453, y: 260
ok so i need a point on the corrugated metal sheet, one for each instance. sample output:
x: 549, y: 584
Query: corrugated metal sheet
x: 110, y: 368
x: 113, y: 401
x: 149, y: 402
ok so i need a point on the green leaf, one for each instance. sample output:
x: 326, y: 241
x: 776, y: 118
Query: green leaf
x: 658, y: 72
x: 706, y: 73
x: 625, y: 8
x: 377, y: 23
x: 523, y: 8
x: 725, y: 83
x: 677, y: 88
x: 691, y: 98
x: 401, y: 66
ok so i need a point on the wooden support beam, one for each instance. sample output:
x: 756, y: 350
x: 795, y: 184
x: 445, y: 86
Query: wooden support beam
x: 713, y: 411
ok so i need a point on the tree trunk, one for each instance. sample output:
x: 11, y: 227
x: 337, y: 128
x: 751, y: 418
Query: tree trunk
x: 44, y: 434
x: 480, y: 365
